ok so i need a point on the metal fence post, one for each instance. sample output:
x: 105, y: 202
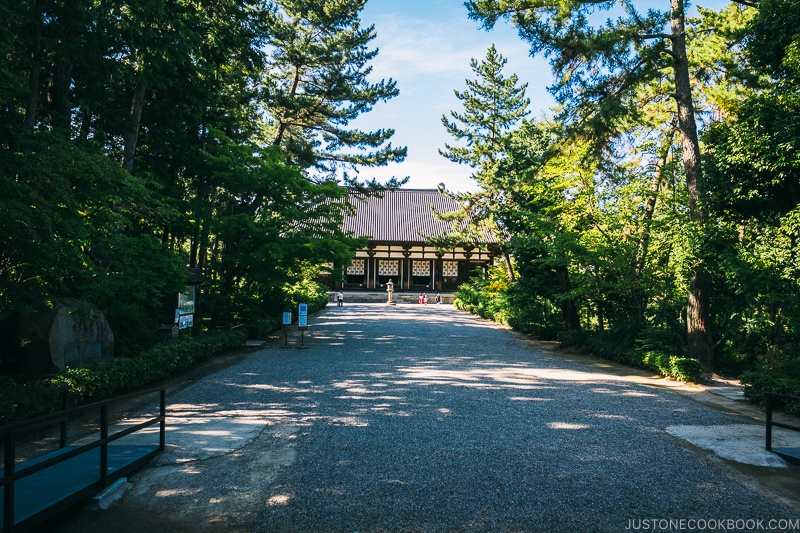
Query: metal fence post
x: 8, y: 473
x: 162, y: 438
x: 64, y: 407
x: 103, y: 444
x: 769, y: 422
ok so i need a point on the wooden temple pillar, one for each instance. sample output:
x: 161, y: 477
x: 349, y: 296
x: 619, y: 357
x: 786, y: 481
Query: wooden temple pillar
x: 405, y: 268
x: 438, y: 271
x: 371, y: 267
x: 467, y: 268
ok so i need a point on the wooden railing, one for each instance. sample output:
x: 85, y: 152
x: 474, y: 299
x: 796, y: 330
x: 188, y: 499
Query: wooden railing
x: 12, y: 474
x: 772, y: 399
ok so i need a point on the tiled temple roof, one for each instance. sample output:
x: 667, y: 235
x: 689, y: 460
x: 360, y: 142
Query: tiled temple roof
x: 402, y: 215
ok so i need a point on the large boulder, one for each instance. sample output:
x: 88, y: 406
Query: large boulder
x: 73, y: 334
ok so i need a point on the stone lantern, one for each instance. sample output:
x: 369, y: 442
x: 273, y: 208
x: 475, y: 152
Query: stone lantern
x: 390, y: 290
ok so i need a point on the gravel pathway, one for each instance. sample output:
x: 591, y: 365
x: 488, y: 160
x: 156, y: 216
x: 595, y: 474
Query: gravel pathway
x: 426, y: 419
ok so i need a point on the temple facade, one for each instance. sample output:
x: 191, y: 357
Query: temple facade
x: 400, y: 226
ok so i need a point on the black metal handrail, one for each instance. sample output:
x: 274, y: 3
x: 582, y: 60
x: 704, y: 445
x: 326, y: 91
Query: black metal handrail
x: 10, y: 473
x: 770, y: 423
x: 42, y: 392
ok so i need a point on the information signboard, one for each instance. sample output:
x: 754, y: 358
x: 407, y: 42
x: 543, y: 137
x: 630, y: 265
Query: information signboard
x: 287, y: 318
x: 186, y: 321
x: 186, y: 300
x: 302, y: 309
x: 302, y: 321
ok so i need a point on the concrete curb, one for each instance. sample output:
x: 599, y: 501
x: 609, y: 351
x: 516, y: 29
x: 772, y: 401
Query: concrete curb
x: 104, y: 499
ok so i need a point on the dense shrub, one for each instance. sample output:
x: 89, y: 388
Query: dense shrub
x: 18, y: 406
x: 607, y: 346
x: 572, y: 337
x: 680, y: 368
x: 486, y: 296
x: 758, y: 383
x: 120, y: 376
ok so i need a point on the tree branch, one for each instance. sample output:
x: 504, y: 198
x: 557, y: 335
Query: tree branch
x: 655, y: 36
x: 746, y: 3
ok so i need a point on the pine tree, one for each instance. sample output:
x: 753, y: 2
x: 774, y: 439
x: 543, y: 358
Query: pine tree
x: 493, y: 105
x: 316, y: 83
x: 598, y: 71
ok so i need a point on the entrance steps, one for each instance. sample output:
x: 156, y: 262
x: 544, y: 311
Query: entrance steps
x: 382, y: 297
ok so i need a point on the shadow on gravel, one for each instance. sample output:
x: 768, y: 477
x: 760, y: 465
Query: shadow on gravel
x: 419, y: 418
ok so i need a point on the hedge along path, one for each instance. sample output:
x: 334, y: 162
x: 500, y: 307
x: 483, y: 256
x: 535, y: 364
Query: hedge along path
x: 415, y: 418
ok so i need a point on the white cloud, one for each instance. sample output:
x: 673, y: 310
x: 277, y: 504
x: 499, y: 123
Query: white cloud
x: 426, y: 173
x: 426, y: 47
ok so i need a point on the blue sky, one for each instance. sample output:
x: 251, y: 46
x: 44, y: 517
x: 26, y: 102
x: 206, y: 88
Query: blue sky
x: 426, y: 46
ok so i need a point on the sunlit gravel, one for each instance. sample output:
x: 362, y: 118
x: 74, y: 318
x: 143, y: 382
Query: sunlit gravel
x: 425, y: 419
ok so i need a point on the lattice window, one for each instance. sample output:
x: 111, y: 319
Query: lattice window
x: 357, y: 268
x: 450, y: 268
x: 420, y: 268
x: 387, y: 268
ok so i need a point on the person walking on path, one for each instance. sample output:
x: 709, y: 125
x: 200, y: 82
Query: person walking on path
x: 340, y: 299
x: 438, y: 299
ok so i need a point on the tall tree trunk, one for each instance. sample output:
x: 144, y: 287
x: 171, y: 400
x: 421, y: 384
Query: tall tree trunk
x: 507, y: 259
x: 697, y: 311
x: 278, y: 138
x: 647, y: 220
x: 193, y: 246
x: 135, y: 120
x: 69, y: 22
x: 650, y: 205
x: 569, y: 311
x: 60, y: 84
x: 86, y: 123
x: 36, y: 66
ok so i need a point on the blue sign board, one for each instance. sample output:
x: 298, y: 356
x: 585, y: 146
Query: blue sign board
x: 186, y: 321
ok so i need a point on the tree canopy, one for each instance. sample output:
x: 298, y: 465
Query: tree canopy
x: 653, y: 215
x: 145, y: 138
x: 609, y: 248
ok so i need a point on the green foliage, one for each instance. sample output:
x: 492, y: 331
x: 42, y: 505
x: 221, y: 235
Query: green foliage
x: 572, y: 338
x: 680, y: 368
x: 607, y: 345
x: 757, y: 383
x: 646, y: 354
x: 772, y: 32
x: 234, y: 114
x: 43, y: 399
x: 485, y: 295
x: 137, y: 273
x: 317, y: 82
x: 128, y: 374
x: 120, y: 376
x: 752, y: 173
x: 493, y: 105
x: 67, y: 231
